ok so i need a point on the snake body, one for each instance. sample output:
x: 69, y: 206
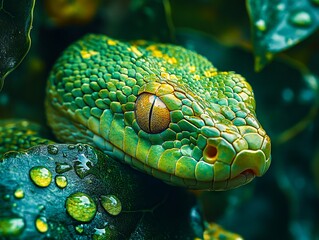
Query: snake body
x: 160, y: 108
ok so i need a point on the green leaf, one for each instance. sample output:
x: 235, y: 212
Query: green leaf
x: 15, y: 25
x: 64, y: 191
x: 277, y: 25
x: 148, y: 20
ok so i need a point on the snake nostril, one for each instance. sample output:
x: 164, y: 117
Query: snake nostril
x: 210, y: 153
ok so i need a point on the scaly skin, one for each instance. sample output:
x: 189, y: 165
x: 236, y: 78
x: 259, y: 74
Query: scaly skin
x: 162, y: 109
x: 17, y: 135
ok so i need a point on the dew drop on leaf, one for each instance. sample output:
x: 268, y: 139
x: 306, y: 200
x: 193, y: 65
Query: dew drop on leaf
x: 80, y: 148
x: 80, y: 207
x: 71, y: 147
x: 61, y: 181
x: 101, y: 233
x: 79, y: 228
x: 40, y: 176
x: 6, y: 197
x: 111, y: 204
x: 11, y: 226
x: 41, y: 224
x: 82, y: 166
x: 41, y: 207
x: 53, y: 149
x: 301, y: 19
x: 261, y: 25
x: 19, y: 193
x: 62, y: 167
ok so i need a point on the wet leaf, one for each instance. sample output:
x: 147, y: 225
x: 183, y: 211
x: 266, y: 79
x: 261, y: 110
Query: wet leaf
x: 15, y: 25
x: 280, y: 24
x: 94, y: 197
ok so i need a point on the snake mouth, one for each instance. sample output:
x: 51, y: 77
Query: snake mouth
x: 243, y: 178
x: 248, y: 173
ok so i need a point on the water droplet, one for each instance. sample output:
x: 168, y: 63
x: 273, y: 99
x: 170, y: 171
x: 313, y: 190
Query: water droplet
x: 261, y: 25
x: 80, y: 147
x: 52, y: 149
x: 41, y: 207
x: 99, y: 231
x: 71, y: 147
x: 6, y: 197
x: 11, y: 154
x: 62, y: 167
x: 111, y: 204
x: 41, y: 224
x: 11, y: 226
x: 79, y: 228
x: 102, y: 233
x: 81, y: 207
x: 82, y: 166
x: 61, y: 181
x: 19, y: 193
x: 300, y: 19
x: 41, y: 176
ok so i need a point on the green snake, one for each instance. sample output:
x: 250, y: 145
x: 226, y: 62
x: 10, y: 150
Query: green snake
x: 161, y: 109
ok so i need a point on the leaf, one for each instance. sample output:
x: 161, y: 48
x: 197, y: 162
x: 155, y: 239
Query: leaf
x: 119, y: 202
x: 277, y: 25
x: 148, y: 20
x: 15, y: 25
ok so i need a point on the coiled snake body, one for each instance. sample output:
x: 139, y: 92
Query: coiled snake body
x: 160, y: 108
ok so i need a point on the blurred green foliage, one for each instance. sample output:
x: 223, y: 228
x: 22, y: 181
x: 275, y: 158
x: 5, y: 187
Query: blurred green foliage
x: 279, y: 25
x: 15, y: 25
x: 234, y: 35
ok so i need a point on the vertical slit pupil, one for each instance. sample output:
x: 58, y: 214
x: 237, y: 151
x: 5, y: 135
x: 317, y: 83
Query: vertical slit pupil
x: 151, y: 113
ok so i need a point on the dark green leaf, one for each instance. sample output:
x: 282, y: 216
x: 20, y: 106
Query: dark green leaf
x: 148, y: 207
x: 149, y: 20
x: 280, y: 24
x: 15, y: 26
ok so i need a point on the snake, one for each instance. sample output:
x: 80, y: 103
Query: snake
x: 160, y: 108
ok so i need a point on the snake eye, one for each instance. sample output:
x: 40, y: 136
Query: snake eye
x: 151, y: 113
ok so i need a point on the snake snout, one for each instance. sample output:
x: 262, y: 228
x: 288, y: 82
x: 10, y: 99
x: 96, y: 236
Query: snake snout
x: 256, y: 161
x: 239, y: 161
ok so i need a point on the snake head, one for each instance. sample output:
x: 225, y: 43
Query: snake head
x: 161, y: 109
x: 212, y: 145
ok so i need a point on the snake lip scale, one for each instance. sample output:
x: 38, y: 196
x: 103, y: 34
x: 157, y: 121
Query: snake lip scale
x: 244, y: 177
x: 160, y: 108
